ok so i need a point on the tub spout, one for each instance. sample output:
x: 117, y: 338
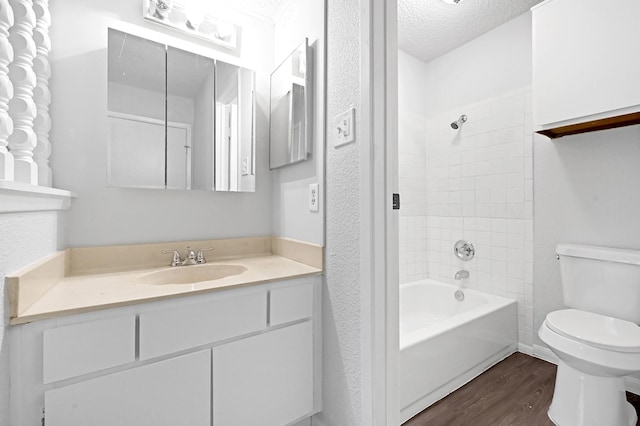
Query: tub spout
x: 462, y: 274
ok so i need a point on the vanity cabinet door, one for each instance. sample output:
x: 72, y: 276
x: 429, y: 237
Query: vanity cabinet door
x: 167, y: 331
x: 264, y: 380
x: 585, y: 60
x: 77, y: 349
x: 291, y: 303
x: 172, y: 392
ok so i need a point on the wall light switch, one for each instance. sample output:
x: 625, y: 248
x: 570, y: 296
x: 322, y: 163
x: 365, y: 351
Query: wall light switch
x: 344, y: 127
x: 314, y: 198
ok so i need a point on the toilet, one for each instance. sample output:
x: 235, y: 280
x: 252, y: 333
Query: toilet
x: 597, y: 339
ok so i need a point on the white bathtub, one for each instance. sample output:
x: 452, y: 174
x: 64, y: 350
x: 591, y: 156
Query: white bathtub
x: 445, y: 343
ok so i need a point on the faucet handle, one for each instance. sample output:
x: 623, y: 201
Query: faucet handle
x: 176, y: 257
x: 200, y: 258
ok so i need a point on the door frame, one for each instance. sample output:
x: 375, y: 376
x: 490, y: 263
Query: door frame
x: 379, y: 254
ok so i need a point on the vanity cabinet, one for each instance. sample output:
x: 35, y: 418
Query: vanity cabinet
x: 586, y: 61
x: 195, y: 360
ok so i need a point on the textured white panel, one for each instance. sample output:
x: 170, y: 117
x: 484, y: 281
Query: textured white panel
x: 25, y: 238
x: 342, y: 354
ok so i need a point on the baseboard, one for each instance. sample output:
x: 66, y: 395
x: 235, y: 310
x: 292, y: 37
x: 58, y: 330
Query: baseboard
x: 544, y: 354
x: 525, y: 349
x: 631, y: 383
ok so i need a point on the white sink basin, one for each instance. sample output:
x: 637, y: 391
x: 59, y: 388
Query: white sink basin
x: 190, y: 274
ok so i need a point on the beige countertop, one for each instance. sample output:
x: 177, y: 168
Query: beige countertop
x: 33, y: 297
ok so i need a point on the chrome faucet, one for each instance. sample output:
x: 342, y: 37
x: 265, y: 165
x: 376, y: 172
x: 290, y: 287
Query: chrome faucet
x: 190, y: 259
x: 462, y: 274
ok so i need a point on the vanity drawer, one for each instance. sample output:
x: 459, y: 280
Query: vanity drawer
x: 291, y: 303
x: 168, y: 331
x: 78, y: 349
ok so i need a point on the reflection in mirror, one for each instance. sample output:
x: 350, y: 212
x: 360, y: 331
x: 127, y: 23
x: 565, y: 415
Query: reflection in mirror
x: 290, y: 129
x: 190, y: 89
x: 136, y: 111
x: 178, y: 120
x: 234, y: 150
x: 226, y: 127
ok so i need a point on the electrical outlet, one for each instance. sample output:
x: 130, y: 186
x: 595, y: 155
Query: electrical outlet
x: 245, y: 166
x: 344, y: 127
x: 314, y: 198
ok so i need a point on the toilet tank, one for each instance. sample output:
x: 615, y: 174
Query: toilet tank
x: 602, y: 280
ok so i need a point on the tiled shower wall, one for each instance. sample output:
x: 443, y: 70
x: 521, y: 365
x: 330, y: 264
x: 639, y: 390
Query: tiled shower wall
x: 412, y: 160
x: 478, y: 185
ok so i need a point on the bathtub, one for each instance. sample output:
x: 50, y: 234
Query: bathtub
x: 445, y: 343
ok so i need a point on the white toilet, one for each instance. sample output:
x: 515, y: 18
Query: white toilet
x: 597, y: 340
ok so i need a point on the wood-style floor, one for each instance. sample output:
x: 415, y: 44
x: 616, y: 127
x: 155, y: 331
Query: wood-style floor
x: 517, y: 391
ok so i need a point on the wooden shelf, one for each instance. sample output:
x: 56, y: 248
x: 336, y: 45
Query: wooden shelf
x: 592, y: 126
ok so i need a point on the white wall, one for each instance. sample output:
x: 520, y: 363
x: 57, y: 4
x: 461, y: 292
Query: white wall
x: 494, y: 63
x: 24, y: 238
x: 291, y: 215
x: 102, y: 215
x: 586, y: 189
x: 342, y: 345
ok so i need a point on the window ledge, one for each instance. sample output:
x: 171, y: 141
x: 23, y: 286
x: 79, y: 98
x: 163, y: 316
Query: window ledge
x: 22, y: 197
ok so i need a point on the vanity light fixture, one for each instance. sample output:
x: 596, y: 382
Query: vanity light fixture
x: 191, y: 19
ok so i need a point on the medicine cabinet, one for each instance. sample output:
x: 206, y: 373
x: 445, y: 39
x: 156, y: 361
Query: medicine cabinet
x: 178, y: 120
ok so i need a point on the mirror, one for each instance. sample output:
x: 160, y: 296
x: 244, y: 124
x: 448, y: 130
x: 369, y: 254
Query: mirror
x: 290, y: 129
x: 178, y: 120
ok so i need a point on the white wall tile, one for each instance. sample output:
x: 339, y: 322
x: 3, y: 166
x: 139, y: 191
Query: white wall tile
x: 475, y: 184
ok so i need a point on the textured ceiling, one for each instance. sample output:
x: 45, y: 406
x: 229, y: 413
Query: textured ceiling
x: 430, y: 28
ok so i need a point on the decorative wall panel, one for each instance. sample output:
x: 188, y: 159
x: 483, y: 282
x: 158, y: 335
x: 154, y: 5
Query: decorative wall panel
x: 22, y: 107
x: 42, y: 94
x: 6, y: 90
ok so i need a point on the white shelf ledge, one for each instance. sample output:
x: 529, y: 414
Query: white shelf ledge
x: 22, y: 197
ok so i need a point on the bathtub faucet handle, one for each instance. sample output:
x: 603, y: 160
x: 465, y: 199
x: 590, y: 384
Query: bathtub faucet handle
x: 462, y: 274
x: 464, y: 250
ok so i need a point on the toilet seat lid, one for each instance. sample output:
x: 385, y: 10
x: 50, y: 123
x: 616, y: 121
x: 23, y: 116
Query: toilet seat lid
x: 596, y: 330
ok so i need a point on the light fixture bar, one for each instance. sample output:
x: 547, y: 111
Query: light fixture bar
x: 193, y: 21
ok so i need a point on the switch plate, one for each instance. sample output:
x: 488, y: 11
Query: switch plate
x: 344, y: 127
x: 314, y: 198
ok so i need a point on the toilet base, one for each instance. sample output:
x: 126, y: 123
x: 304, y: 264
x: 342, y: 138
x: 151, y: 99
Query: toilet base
x: 581, y: 399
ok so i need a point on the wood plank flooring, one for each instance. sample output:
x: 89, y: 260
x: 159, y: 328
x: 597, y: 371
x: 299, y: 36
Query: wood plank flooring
x: 517, y: 391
